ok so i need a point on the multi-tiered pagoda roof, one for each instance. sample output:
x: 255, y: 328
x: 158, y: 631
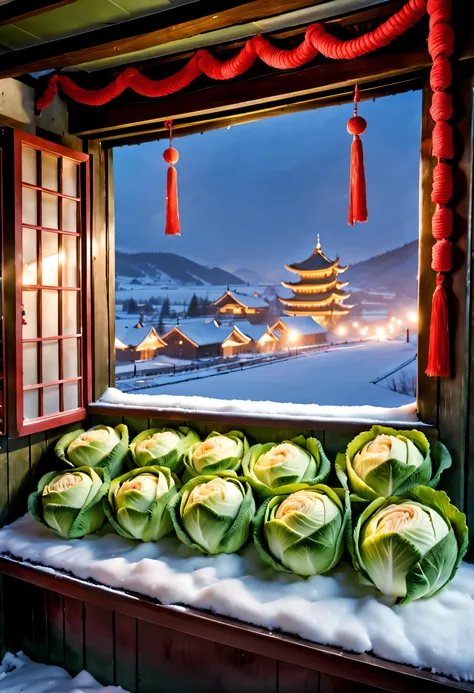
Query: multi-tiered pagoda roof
x: 318, y: 293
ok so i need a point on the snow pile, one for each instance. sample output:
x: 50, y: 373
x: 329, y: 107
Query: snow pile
x: 18, y: 674
x: 339, y: 609
x: 277, y: 410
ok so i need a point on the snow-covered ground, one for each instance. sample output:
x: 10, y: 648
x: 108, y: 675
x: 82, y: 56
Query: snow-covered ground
x: 337, y: 609
x: 178, y: 294
x: 339, y: 376
x: 18, y: 674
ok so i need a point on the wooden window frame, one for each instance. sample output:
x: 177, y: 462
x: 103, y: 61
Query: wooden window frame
x: 13, y: 257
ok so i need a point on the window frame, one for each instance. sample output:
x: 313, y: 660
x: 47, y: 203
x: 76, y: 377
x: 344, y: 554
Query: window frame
x: 13, y: 241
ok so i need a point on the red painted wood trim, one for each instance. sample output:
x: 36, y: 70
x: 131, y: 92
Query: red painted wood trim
x: 51, y: 339
x: 46, y: 228
x: 35, y: 287
x: 363, y: 668
x: 50, y: 421
x: 61, y: 381
x: 56, y: 193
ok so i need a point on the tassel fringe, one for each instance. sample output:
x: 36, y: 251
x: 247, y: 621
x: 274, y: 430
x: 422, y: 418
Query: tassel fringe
x: 438, y: 353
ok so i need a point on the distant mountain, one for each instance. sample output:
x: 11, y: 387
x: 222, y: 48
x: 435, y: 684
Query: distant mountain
x: 169, y: 267
x: 249, y: 276
x: 395, y: 271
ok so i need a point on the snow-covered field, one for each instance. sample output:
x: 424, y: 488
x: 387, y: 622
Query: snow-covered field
x: 337, y: 609
x: 339, y: 376
x: 18, y: 674
x: 178, y: 294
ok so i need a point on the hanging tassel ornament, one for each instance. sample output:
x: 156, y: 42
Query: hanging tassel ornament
x: 357, y: 192
x: 171, y: 157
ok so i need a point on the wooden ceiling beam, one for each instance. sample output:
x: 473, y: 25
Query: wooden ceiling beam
x: 16, y: 10
x: 269, y: 86
x: 143, y: 32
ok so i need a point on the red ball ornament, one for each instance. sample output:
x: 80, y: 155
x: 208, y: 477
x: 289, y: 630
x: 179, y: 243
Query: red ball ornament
x: 356, y: 125
x: 171, y: 155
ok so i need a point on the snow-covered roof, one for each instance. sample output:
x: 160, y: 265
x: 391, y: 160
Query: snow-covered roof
x: 248, y: 300
x: 201, y: 333
x: 133, y: 336
x: 303, y: 324
x: 254, y: 332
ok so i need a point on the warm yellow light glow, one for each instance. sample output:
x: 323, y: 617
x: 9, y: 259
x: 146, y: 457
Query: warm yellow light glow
x: 293, y: 335
x: 390, y: 327
x: 355, y: 324
x: 380, y: 333
x: 394, y: 319
x: 412, y: 317
x: 399, y: 322
x: 341, y: 331
x: 180, y: 341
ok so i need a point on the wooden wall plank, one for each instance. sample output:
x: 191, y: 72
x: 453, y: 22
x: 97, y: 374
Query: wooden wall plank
x: 73, y: 635
x: 40, y: 626
x: 333, y: 684
x: 294, y: 679
x: 126, y: 629
x: 18, y: 476
x: 99, y: 643
x: 37, y: 457
x: 56, y: 628
x: 110, y: 283
x: 3, y: 480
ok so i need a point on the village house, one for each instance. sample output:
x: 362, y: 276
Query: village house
x: 253, y: 308
x: 247, y: 338
x: 137, y: 343
x: 299, y: 331
x: 193, y: 340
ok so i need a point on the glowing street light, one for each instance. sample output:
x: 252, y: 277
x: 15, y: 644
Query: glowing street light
x: 380, y: 333
x: 355, y: 324
x: 399, y: 323
x: 412, y: 317
x: 341, y: 331
x: 293, y: 335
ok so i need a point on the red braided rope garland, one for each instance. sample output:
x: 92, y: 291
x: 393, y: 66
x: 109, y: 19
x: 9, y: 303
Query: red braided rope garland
x: 316, y: 40
x: 440, y: 46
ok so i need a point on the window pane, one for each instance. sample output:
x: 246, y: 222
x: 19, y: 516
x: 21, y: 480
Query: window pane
x: 50, y: 313
x: 51, y: 399
x: 69, y: 257
x: 70, y: 322
x: 70, y: 169
x: 30, y: 363
x: 50, y: 362
x: 50, y: 263
x: 49, y: 172
x: 30, y: 299
x: 69, y: 222
x: 70, y: 358
x: 28, y: 165
x: 71, y: 395
x: 30, y: 404
x: 50, y: 210
x: 29, y: 257
x: 29, y: 206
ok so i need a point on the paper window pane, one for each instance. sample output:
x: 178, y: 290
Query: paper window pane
x: 30, y: 302
x: 30, y: 404
x: 69, y: 222
x: 70, y: 321
x: 30, y: 363
x: 28, y: 165
x: 70, y: 260
x: 50, y: 362
x: 49, y: 172
x: 71, y: 395
x: 50, y: 313
x: 50, y: 262
x: 29, y: 206
x: 70, y: 358
x: 29, y: 257
x: 70, y: 169
x: 50, y: 210
x: 50, y: 400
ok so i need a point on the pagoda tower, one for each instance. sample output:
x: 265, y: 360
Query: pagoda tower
x: 318, y: 293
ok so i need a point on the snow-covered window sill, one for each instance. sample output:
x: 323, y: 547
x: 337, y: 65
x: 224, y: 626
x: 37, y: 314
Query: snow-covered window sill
x: 241, y: 412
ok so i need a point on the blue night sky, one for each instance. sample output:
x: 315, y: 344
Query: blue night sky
x: 257, y: 194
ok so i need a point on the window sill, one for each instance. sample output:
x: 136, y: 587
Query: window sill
x: 362, y: 668
x: 250, y: 413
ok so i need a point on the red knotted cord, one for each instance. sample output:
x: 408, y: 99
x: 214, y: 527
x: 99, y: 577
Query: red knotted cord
x: 316, y: 40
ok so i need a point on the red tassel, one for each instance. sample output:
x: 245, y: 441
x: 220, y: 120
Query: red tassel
x: 357, y: 190
x: 438, y: 353
x: 171, y: 157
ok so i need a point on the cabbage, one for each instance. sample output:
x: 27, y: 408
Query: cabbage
x: 219, y: 452
x: 100, y: 446
x: 164, y: 447
x: 410, y: 546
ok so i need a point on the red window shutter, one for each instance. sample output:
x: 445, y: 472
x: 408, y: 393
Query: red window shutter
x: 46, y: 191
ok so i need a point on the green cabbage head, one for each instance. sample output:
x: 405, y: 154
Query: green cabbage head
x: 384, y: 462
x: 410, y: 546
x: 70, y: 502
x: 164, y: 447
x: 217, y: 453
x: 303, y: 533
x: 101, y: 446
x: 278, y: 469
x: 137, y: 503
x: 213, y: 513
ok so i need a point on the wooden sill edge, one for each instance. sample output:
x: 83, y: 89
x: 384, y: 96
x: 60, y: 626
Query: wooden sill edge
x: 240, y: 419
x: 363, y: 668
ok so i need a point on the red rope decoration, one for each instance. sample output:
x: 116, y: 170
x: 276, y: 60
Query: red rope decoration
x: 440, y: 46
x: 171, y: 157
x: 316, y: 40
x: 357, y: 189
